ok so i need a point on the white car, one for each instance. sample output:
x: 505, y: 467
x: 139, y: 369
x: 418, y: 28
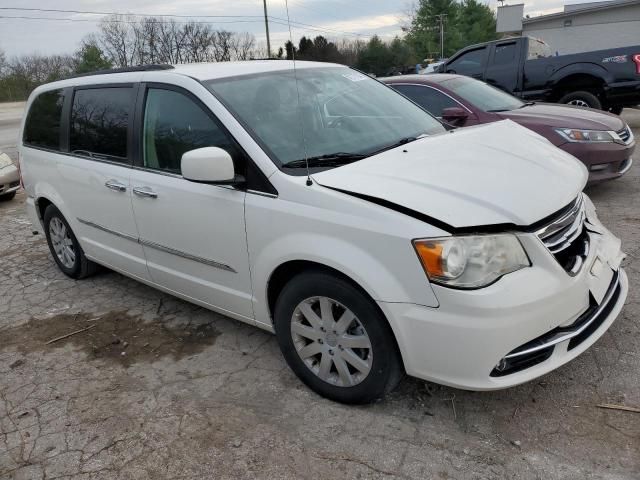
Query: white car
x: 321, y: 205
x: 9, y: 178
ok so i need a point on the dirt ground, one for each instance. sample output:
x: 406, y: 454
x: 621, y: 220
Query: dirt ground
x: 155, y: 388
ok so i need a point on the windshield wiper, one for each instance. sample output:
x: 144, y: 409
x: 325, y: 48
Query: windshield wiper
x: 399, y: 143
x: 328, y: 160
x: 527, y: 104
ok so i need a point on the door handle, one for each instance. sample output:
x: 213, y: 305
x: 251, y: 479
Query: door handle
x: 145, y: 192
x: 116, y: 186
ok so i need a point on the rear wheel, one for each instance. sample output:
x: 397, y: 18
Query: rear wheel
x: 582, y: 99
x: 64, y: 246
x: 336, y: 339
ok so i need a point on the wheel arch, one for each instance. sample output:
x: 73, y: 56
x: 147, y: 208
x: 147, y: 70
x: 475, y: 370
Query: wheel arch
x: 573, y: 81
x: 289, y: 269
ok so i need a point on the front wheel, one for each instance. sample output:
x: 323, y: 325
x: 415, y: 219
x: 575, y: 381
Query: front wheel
x: 7, y: 197
x: 64, y: 246
x: 336, y: 339
x: 582, y: 99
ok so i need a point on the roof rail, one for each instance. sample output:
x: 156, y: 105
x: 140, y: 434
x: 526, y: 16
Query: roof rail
x: 138, y: 68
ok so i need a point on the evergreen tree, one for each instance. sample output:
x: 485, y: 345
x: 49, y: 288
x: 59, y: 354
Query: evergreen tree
x: 91, y: 58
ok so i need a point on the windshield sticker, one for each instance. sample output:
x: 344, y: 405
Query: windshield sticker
x: 616, y: 59
x: 354, y: 77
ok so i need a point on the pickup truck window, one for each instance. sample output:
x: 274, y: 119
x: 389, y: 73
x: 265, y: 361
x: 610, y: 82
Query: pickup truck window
x: 505, y: 53
x: 483, y: 96
x: 538, y: 49
x: 469, y: 63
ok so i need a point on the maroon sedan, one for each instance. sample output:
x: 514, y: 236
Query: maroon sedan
x: 602, y: 141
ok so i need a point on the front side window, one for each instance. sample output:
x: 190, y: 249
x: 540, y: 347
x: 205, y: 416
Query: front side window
x: 428, y: 98
x: 173, y: 125
x: 99, y: 122
x: 469, y: 63
x: 42, y: 128
x: 483, y: 96
x: 327, y: 111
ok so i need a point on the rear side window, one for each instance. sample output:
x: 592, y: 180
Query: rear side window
x: 42, y: 128
x: 428, y: 98
x: 99, y: 122
x: 504, y: 54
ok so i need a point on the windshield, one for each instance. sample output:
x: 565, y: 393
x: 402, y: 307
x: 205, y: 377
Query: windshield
x: 483, y: 96
x: 340, y: 112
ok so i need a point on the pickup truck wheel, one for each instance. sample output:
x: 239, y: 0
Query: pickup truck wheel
x: 582, y: 99
x: 64, y: 246
x: 335, y: 339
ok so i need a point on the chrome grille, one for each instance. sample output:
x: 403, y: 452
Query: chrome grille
x: 625, y: 134
x: 566, y: 237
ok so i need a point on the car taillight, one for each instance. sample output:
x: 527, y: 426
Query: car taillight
x: 636, y: 58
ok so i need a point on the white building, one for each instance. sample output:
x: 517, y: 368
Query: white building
x: 579, y: 27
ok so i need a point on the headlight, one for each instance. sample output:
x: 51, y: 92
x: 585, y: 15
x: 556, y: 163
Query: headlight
x: 5, y: 161
x: 574, y: 135
x: 470, y: 261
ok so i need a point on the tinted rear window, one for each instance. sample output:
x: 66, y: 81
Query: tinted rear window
x: 99, y: 122
x: 42, y: 128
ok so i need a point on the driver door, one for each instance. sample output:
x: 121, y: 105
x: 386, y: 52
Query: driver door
x: 193, y: 234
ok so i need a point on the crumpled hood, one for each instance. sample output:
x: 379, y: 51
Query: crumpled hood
x: 500, y: 173
x: 564, y: 116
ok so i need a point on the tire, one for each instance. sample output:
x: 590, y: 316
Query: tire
x: 379, y: 366
x: 616, y: 110
x: 8, y: 197
x: 582, y: 99
x: 64, y: 246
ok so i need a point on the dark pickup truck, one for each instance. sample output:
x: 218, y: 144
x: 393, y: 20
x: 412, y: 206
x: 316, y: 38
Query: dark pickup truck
x: 527, y: 67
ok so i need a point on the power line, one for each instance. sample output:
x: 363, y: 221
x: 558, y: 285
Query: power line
x: 123, y: 21
x: 93, y: 12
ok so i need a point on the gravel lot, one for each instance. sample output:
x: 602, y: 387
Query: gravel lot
x: 159, y: 388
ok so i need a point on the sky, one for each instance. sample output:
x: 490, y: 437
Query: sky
x: 331, y: 18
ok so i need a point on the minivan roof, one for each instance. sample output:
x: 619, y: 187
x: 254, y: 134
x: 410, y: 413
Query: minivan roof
x: 199, y: 71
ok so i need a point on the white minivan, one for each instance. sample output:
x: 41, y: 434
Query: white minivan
x: 315, y: 202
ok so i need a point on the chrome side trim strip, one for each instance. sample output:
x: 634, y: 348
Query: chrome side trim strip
x: 564, y: 336
x: 188, y: 256
x: 162, y: 248
x: 262, y: 194
x: 108, y: 230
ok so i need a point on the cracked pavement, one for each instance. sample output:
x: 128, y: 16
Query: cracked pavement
x: 155, y: 388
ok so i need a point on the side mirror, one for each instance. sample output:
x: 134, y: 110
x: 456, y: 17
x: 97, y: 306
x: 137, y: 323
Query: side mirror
x: 455, y: 115
x: 209, y: 165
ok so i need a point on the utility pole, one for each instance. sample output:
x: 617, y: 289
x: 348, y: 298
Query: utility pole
x: 441, y: 18
x: 266, y: 27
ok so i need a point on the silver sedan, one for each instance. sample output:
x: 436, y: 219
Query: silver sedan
x: 9, y: 178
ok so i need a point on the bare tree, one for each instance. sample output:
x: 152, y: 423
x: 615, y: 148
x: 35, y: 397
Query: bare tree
x: 242, y: 45
x: 118, y: 39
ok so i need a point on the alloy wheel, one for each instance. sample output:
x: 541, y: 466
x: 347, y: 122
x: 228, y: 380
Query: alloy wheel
x: 578, y: 103
x: 331, y: 341
x: 62, y: 242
